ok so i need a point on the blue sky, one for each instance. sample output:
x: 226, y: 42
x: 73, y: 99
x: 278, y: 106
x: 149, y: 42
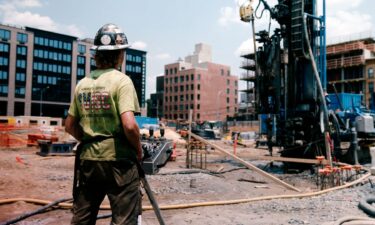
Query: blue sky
x: 169, y: 29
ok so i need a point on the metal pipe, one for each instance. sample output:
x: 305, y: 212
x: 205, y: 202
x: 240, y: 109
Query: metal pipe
x: 321, y: 94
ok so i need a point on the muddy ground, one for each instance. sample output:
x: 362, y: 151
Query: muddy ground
x: 24, y: 174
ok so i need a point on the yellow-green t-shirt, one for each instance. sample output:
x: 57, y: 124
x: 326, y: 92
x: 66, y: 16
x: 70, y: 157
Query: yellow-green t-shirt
x: 98, y: 102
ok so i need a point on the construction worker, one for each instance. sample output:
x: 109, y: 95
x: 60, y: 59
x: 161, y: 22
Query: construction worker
x: 101, y: 116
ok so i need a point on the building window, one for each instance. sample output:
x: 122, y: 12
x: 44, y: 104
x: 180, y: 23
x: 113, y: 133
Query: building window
x: 187, y: 87
x: 21, y: 50
x: 3, y: 89
x: 181, y: 97
x: 228, y: 73
x: 370, y: 72
x: 228, y: 82
x: 228, y: 91
x: 20, y: 76
x: 198, y: 116
x: 181, y: 88
x: 182, y: 79
x: 82, y: 49
x: 187, y: 77
x: 236, y: 83
x: 198, y: 106
x: 3, y: 61
x: 20, y: 63
x: 192, y: 87
x: 22, y: 38
x: 80, y: 72
x: 187, y: 97
x: 81, y: 60
x: 3, y: 75
x: 192, y: 77
x: 175, y: 98
x: 4, y: 47
x: 222, y: 72
x: 4, y: 34
x: 198, y: 87
x: 228, y: 100
x: 199, y: 97
x: 176, y: 80
x: 192, y: 97
x: 166, y: 71
x: 175, y: 70
x: 371, y: 87
x: 175, y: 89
x: 199, y: 77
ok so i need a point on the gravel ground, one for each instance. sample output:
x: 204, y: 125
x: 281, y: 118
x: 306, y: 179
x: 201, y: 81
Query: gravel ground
x: 51, y: 178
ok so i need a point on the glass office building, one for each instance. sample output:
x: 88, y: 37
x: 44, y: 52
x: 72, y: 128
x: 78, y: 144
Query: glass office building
x: 39, y: 70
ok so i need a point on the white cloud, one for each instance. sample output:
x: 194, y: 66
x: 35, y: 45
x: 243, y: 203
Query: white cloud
x: 163, y: 56
x: 345, y: 23
x: 12, y: 14
x: 245, y: 47
x: 228, y: 15
x: 26, y: 3
x: 29, y: 19
x: 72, y: 30
x: 231, y: 15
x: 139, y: 45
x: 340, y: 5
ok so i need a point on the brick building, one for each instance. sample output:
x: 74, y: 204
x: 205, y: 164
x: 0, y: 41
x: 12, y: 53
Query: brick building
x: 196, y: 83
x: 350, y: 67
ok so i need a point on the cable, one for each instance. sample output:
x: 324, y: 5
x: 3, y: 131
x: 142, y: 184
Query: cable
x: 355, y: 220
x: 40, y: 210
x: 366, y: 206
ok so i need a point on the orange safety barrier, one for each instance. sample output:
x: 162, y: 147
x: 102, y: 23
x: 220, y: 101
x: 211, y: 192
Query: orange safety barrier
x: 32, y: 139
x: 11, y: 140
x: 174, y: 154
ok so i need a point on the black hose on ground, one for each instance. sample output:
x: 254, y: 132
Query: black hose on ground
x: 32, y: 213
x: 104, y: 216
x: 366, y: 206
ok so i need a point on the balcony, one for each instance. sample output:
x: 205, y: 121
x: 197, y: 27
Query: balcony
x: 249, y: 90
x: 248, y: 76
x: 342, y: 48
x: 248, y: 64
x: 345, y: 62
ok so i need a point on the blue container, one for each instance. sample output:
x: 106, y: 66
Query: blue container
x: 145, y: 122
x: 263, y: 123
x: 348, y: 101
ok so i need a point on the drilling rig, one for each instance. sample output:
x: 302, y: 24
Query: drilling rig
x: 290, y: 85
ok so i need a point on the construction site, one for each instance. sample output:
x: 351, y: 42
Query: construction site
x: 301, y: 150
x: 202, y: 182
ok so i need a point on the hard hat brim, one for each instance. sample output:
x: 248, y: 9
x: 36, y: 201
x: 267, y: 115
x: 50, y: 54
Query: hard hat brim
x: 109, y: 47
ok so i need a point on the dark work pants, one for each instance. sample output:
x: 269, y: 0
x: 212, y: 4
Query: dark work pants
x: 118, y: 180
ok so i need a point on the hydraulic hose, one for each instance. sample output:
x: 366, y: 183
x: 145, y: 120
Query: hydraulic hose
x: 200, y: 204
x: 40, y: 210
x: 355, y: 220
x: 321, y: 93
x: 366, y: 206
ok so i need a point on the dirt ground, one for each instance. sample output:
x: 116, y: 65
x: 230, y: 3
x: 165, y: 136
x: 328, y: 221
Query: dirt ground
x: 24, y: 174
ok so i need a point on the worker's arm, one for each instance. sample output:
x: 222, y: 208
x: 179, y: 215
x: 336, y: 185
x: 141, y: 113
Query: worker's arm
x: 131, y: 131
x: 73, y: 128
